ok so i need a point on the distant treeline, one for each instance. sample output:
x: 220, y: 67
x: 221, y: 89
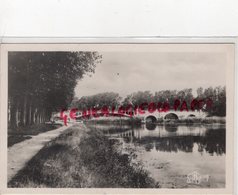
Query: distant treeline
x: 215, y: 95
x: 40, y: 83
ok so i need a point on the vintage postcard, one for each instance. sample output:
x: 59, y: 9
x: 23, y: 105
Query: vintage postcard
x: 117, y: 118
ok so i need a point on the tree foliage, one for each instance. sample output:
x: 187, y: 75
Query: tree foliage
x: 43, y: 82
x: 216, y: 96
x: 109, y: 99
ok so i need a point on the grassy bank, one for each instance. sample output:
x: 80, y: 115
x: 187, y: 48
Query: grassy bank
x: 116, y: 120
x: 207, y: 120
x: 23, y: 133
x: 80, y: 158
x: 137, y: 121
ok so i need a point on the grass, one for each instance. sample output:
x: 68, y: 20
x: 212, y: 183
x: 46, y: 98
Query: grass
x: 80, y: 158
x: 136, y: 121
x: 118, y: 121
x: 23, y: 133
x: 206, y: 120
x: 214, y: 119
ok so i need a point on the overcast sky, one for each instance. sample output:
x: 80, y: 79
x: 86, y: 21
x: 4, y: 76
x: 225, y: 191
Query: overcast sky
x: 128, y: 72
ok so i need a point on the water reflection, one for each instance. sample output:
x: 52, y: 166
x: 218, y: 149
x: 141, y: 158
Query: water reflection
x: 150, y: 126
x: 172, y: 137
x: 170, y: 152
x: 171, y: 127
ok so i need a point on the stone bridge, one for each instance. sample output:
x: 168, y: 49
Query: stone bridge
x: 165, y: 116
x: 147, y: 116
x: 171, y: 115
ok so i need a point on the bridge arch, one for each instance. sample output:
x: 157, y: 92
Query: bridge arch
x: 191, y: 116
x: 150, y: 126
x: 171, y: 116
x: 151, y: 119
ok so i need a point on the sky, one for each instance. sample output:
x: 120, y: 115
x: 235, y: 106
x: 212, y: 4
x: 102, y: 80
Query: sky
x: 128, y: 72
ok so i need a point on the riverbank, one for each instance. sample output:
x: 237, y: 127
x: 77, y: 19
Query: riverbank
x: 23, y: 133
x: 20, y: 153
x: 206, y: 120
x: 80, y: 158
x: 137, y: 121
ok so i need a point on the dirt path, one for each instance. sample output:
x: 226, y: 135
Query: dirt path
x: 20, y: 153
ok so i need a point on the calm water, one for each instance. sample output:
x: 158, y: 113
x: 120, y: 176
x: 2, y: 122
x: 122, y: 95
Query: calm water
x: 171, y: 152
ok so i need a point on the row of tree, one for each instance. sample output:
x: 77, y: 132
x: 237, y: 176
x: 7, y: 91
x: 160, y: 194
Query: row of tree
x: 215, y: 95
x: 40, y: 83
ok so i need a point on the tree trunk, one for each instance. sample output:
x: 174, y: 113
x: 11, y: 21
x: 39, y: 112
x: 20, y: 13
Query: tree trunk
x: 35, y: 116
x: 32, y: 115
x: 28, y: 113
x: 25, y: 111
x: 13, y: 116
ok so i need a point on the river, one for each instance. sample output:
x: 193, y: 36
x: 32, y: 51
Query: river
x: 177, y: 156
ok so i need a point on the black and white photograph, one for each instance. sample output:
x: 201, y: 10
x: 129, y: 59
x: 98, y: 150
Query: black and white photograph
x: 120, y: 116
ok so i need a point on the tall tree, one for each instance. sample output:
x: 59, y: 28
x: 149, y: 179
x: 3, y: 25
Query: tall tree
x: 109, y: 99
x: 43, y: 82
